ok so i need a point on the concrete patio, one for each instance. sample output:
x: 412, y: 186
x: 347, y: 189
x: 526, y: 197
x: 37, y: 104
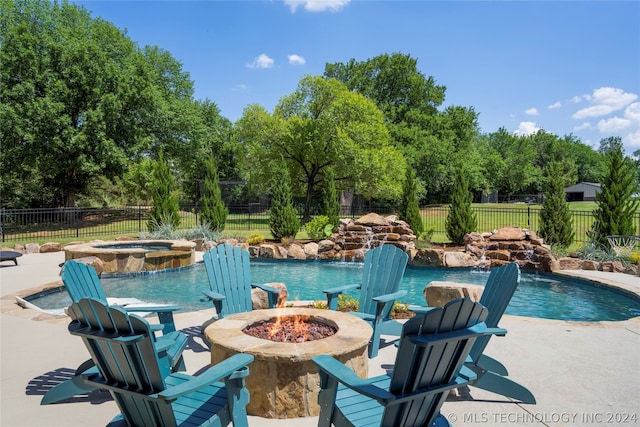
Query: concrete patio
x: 582, y: 374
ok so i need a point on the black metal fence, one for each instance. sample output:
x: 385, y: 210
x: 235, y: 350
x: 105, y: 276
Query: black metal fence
x: 24, y: 225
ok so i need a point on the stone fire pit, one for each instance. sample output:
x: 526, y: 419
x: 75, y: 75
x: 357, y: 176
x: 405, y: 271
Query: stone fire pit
x: 283, y: 381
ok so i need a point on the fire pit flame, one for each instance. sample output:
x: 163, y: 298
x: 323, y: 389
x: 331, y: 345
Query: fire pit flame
x: 293, y: 328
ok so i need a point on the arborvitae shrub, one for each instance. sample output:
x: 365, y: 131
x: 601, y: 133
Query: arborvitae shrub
x: 164, y: 211
x: 461, y: 219
x: 283, y: 216
x: 616, y: 203
x: 556, y: 222
x: 214, y: 211
x: 330, y: 199
x: 409, y: 209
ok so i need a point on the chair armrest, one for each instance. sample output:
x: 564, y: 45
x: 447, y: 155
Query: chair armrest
x: 265, y: 288
x: 161, y: 308
x: 390, y: 297
x: 156, y: 327
x: 383, y: 300
x: 344, y: 375
x: 496, y: 331
x: 215, y: 373
x: 340, y: 289
x: 212, y: 296
x: 332, y: 294
x: 273, y: 294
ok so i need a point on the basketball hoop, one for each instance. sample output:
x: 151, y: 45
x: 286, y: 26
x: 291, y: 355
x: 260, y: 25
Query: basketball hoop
x: 623, y: 245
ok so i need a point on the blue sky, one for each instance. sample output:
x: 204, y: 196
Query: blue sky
x: 570, y: 67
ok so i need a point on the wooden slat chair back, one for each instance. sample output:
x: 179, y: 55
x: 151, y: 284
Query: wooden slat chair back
x: 383, y: 270
x: 491, y: 374
x: 82, y: 281
x: 498, y: 291
x: 131, y: 367
x: 431, y: 351
x: 228, y: 271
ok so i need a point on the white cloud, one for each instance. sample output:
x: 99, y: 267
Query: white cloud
x: 583, y: 126
x: 578, y: 99
x: 613, y: 125
x: 632, y: 140
x: 627, y: 126
x: 632, y: 112
x: 532, y: 112
x: 239, y: 88
x: 606, y: 100
x: 555, y: 105
x: 526, y: 128
x: 296, y: 60
x: 261, y: 61
x: 317, y: 5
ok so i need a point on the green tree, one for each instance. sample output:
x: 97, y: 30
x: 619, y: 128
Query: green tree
x: 322, y: 125
x: 214, y: 212
x: 461, y: 219
x: 409, y: 209
x: 616, y: 203
x: 165, y: 205
x: 330, y: 200
x: 80, y: 102
x: 283, y: 217
x: 431, y: 140
x: 556, y: 222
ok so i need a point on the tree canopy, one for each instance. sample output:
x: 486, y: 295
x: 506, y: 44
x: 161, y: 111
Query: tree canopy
x: 81, y: 101
x: 322, y: 125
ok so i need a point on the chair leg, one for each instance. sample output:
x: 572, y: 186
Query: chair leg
x: 492, y: 365
x: 68, y: 388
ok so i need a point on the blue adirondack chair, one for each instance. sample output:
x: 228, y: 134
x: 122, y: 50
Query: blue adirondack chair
x: 131, y: 367
x: 431, y: 351
x: 490, y: 373
x: 82, y: 281
x: 230, y: 284
x: 383, y: 270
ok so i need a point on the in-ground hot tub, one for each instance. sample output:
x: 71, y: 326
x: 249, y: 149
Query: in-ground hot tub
x: 283, y: 381
x: 135, y: 256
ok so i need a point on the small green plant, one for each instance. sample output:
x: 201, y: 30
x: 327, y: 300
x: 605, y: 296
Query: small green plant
x: 424, y: 239
x: 320, y: 305
x: 319, y: 227
x: 255, y: 239
x: 162, y: 229
x: 401, y: 310
x: 347, y: 303
x: 202, y: 231
x: 634, y: 258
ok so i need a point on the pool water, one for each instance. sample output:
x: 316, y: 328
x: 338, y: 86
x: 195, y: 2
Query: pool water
x: 538, y: 295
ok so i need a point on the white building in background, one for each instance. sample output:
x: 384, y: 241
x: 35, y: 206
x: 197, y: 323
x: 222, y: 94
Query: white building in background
x: 582, y: 191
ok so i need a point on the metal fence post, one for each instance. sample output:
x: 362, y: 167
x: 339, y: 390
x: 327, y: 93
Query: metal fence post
x: 2, y: 222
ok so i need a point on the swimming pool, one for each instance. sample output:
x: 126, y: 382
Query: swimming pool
x: 538, y: 295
